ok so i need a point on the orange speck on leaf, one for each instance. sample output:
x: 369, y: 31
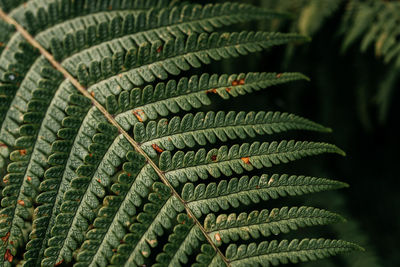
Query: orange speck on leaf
x: 278, y: 75
x: 137, y: 114
x: 217, y: 237
x: 157, y: 148
x: 29, y: 179
x: 241, y: 81
x: 98, y: 180
x: 114, y: 250
x: 3, y: 145
x: 120, y: 75
x: 92, y: 94
x: 21, y: 202
x: 246, y: 160
x: 228, y: 89
x: 159, y: 49
x: 5, y: 238
x: 22, y: 152
x: 8, y: 256
x: 214, y: 90
x: 145, y: 253
x: 234, y: 83
x: 58, y: 263
x: 109, y: 7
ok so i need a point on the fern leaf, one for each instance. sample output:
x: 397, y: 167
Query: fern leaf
x: 185, y: 94
x: 91, y: 192
x: 182, y: 167
x: 79, y: 200
x: 203, y: 198
x: 185, y: 239
x: 146, y: 61
x: 227, y: 228
x: 116, y: 211
x: 63, y: 160
x: 202, y: 128
x: 274, y: 252
x: 208, y: 257
x: 156, y: 217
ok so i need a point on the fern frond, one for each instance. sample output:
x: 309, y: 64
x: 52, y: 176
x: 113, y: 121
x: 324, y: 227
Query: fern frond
x: 181, y: 167
x: 156, y: 217
x: 146, y: 62
x: 185, y: 94
x: 208, y: 257
x: 374, y: 23
x: 24, y: 67
x: 314, y: 13
x: 185, y: 239
x: 202, y: 128
x: 117, y: 209
x: 227, y: 228
x: 66, y: 154
x: 81, y: 198
x: 294, y: 251
x: 96, y: 195
x: 205, y: 197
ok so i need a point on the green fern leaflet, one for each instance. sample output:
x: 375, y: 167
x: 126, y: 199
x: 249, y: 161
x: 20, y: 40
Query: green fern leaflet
x: 78, y: 190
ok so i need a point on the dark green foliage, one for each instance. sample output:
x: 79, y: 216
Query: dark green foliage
x: 78, y: 190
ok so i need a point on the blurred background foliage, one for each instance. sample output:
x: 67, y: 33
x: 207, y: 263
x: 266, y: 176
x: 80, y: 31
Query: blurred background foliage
x: 353, y: 61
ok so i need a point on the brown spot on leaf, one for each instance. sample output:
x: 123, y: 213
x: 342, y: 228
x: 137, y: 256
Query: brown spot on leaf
x: 8, y: 256
x: 246, y: 160
x: 21, y: 202
x: 22, y: 152
x: 278, y: 75
x: 235, y: 82
x: 145, y: 253
x: 214, y: 157
x: 241, y: 81
x: 58, y: 263
x: 217, y: 237
x: 157, y: 148
x: 159, y: 49
x: 137, y: 114
x: 5, y: 238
